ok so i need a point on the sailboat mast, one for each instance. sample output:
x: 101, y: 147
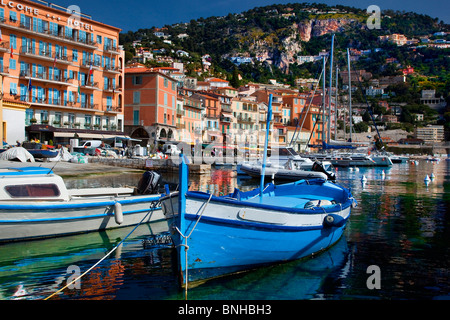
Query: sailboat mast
x: 336, y: 103
x: 323, y: 100
x: 349, y: 94
x: 330, y: 92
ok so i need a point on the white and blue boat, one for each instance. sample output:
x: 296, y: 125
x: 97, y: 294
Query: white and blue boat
x: 227, y: 234
x: 35, y: 203
x: 216, y: 235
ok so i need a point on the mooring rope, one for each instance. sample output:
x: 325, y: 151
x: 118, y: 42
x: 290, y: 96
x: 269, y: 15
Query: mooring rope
x: 185, y: 245
x: 114, y: 249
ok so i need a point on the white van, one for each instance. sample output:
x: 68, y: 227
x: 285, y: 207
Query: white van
x: 171, y: 149
x: 91, y: 144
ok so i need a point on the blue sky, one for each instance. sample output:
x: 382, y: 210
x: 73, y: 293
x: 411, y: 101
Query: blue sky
x: 136, y: 14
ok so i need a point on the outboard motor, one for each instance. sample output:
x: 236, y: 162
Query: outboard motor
x: 317, y: 166
x: 148, y: 184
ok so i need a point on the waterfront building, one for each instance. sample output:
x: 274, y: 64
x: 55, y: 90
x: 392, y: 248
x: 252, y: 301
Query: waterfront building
x: 150, y: 107
x: 190, y: 119
x: 61, y: 71
x: 245, y: 125
x: 430, y: 134
x: 210, y: 132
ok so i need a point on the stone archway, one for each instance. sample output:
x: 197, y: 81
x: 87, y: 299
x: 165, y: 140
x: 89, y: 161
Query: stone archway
x: 163, y: 133
x: 141, y: 134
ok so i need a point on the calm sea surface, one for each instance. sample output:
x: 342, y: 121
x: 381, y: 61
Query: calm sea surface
x: 400, y: 225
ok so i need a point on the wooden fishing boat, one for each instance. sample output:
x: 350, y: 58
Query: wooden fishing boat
x: 220, y: 235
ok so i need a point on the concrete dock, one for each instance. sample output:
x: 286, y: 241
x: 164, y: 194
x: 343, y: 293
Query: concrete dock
x: 103, y: 165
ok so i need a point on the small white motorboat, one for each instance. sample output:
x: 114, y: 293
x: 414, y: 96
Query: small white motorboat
x: 291, y: 170
x: 35, y: 203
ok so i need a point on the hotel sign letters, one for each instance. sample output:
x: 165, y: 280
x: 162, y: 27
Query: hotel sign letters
x: 73, y: 21
x: 20, y: 7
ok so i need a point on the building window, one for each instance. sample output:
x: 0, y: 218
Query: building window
x: 136, y: 97
x: 57, y: 120
x: 137, y: 80
x: 71, y: 118
x: 136, y: 117
x: 44, y: 115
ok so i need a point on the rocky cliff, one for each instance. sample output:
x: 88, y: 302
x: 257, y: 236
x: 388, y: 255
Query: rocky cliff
x: 291, y: 47
x: 282, y: 47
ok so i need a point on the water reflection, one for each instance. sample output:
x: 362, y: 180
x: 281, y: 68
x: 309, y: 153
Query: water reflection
x: 400, y: 224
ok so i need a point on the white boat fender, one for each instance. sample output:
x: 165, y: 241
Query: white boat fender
x: 118, y: 213
x: 317, y: 203
x: 333, y: 220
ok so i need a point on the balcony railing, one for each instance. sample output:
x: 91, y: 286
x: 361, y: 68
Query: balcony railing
x: 89, y: 85
x: 112, y: 69
x: 245, y: 119
x: 43, y: 76
x: 225, y: 119
x: 4, y: 46
x: 111, y: 49
x: 226, y: 108
x: 112, y: 108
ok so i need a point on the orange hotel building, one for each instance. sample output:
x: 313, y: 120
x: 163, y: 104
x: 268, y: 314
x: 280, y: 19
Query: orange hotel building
x: 61, y: 74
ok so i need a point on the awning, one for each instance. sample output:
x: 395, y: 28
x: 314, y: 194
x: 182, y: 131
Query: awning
x: 64, y: 134
x: 79, y: 134
x: 90, y: 136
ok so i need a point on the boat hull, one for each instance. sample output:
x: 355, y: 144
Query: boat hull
x: 229, y: 250
x: 382, y: 160
x: 26, y: 221
x: 232, y: 236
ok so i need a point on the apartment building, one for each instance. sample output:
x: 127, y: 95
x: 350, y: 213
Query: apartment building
x: 150, y: 105
x: 61, y: 71
x: 430, y: 134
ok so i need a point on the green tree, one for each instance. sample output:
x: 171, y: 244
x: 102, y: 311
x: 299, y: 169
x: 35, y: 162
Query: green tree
x: 235, y: 82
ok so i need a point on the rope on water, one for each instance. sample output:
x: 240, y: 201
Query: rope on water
x: 114, y: 249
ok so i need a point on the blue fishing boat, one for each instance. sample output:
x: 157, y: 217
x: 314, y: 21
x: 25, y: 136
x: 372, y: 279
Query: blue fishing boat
x: 220, y: 235
x: 217, y: 235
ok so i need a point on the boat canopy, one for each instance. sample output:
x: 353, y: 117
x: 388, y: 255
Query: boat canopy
x: 343, y: 145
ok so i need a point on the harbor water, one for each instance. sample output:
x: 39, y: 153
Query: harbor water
x: 396, y: 246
